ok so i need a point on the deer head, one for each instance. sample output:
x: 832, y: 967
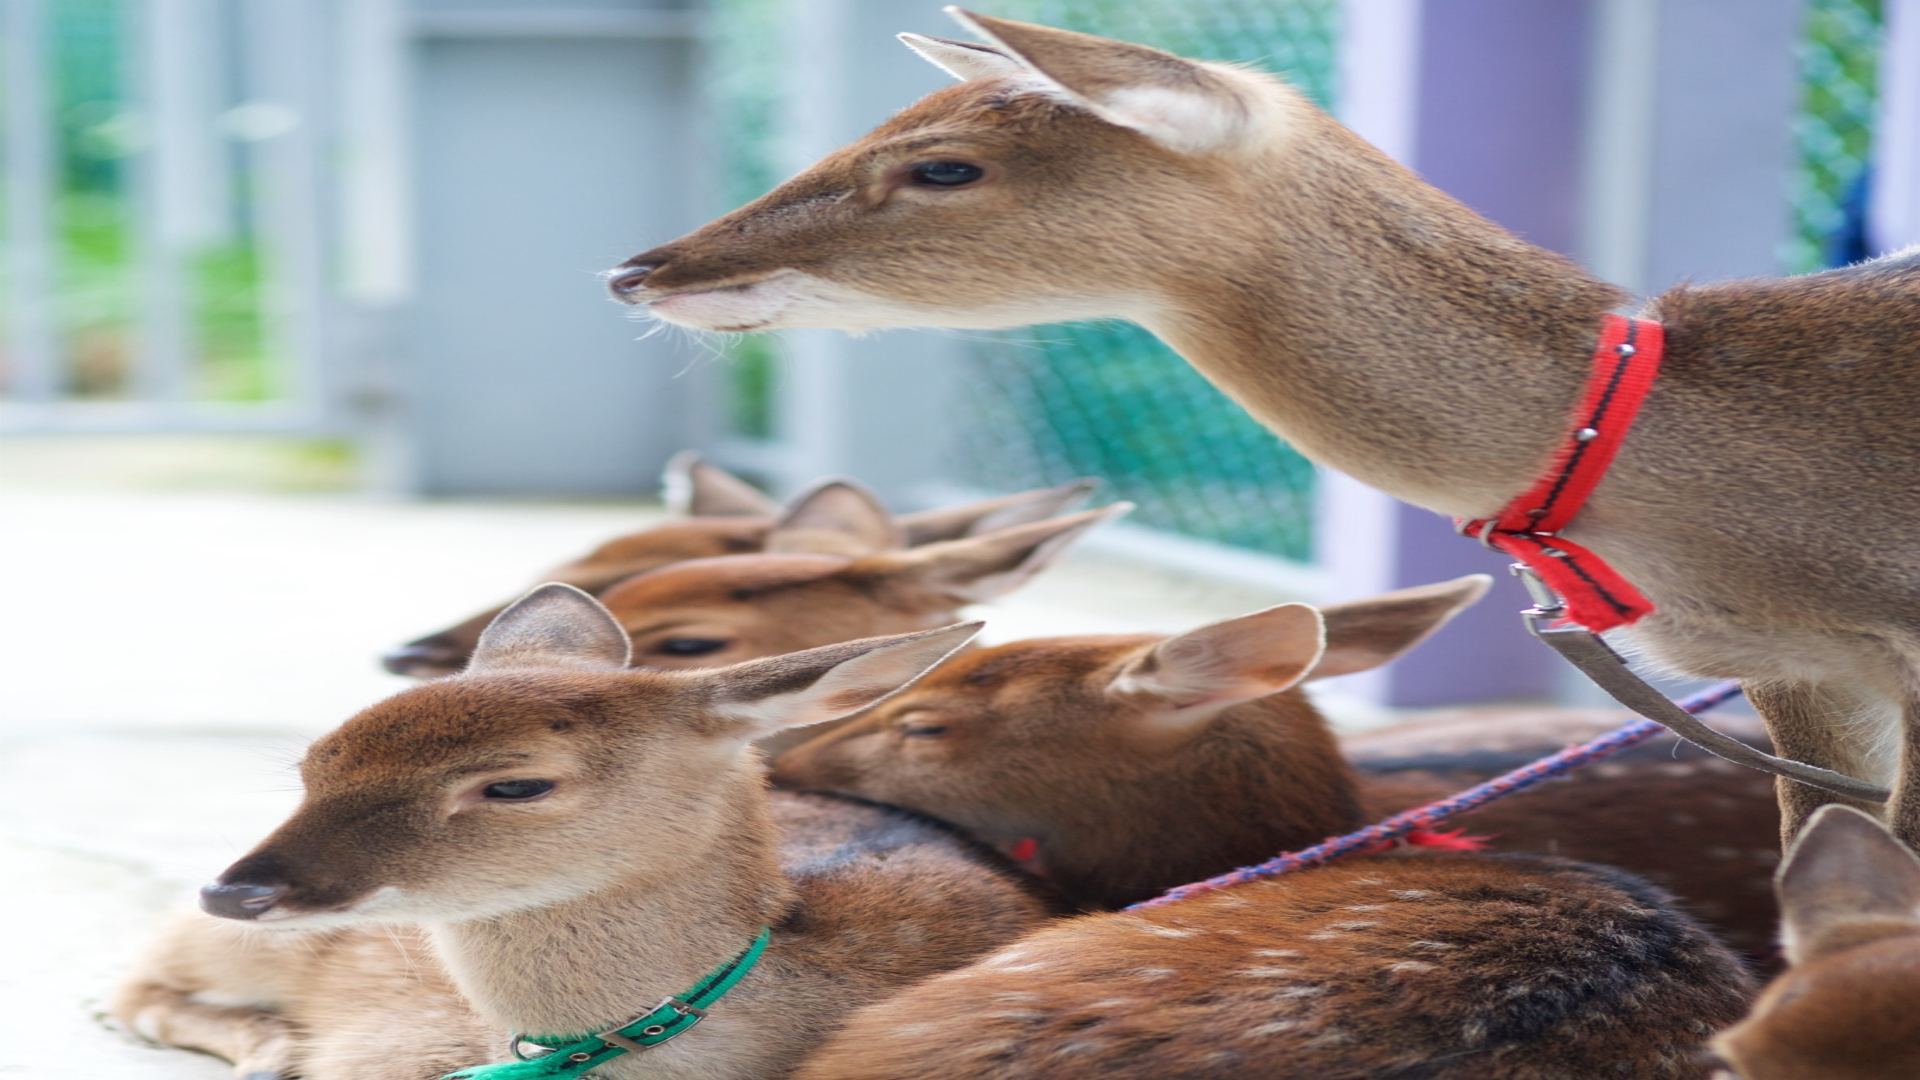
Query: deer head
x: 1108, y: 167
x: 1124, y: 765
x: 1850, y: 902
x: 525, y: 781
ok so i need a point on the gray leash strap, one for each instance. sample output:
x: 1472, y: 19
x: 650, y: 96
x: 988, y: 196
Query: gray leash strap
x: 1585, y: 650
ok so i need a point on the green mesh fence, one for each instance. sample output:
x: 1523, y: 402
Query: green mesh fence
x: 1056, y: 402
x: 1833, y: 131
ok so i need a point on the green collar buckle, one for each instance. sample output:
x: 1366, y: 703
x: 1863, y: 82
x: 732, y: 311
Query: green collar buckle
x: 573, y: 1056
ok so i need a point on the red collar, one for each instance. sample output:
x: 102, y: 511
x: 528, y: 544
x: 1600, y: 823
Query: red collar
x: 1625, y: 363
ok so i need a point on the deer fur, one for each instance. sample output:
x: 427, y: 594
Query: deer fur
x: 655, y: 857
x: 1123, y: 766
x: 1704, y: 829
x: 1443, y: 967
x: 739, y: 606
x: 1850, y: 897
x: 1764, y: 500
x: 724, y: 515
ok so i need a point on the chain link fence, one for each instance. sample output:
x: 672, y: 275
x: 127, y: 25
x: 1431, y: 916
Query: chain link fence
x: 1054, y: 402
x: 1833, y: 134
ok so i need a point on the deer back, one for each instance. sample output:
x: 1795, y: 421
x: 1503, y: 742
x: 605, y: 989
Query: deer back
x: 1446, y: 967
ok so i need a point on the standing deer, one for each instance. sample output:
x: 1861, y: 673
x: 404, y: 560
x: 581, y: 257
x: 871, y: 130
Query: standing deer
x: 1766, y: 500
x: 1850, y: 897
x: 552, y: 845
x: 1445, y: 967
x: 723, y: 515
x: 1120, y: 767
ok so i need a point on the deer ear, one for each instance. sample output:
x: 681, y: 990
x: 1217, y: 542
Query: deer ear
x: 1187, y: 107
x: 834, y: 517
x: 1192, y: 676
x: 989, y: 515
x: 1845, y: 879
x: 1364, y: 634
x: 827, y: 683
x: 695, y: 487
x: 962, y: 59
x: 981, y: 568
x: 555, y: 625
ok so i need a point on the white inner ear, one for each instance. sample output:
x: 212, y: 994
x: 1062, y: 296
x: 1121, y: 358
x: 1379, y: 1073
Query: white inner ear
x: 1179, y: 120
x: 959, y: 61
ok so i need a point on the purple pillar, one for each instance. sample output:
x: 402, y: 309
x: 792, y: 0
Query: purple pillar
x: 1493, y: 114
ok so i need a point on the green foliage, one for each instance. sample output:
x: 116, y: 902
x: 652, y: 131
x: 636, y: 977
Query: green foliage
x: 97, y: 292
x: 1833, y: 131
x: 752, y: 372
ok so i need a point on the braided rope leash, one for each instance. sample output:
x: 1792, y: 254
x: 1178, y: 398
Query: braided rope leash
x: 1423, y: 818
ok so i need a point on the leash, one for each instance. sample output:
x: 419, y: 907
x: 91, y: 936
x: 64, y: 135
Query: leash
x: 1584, y: 649
x: 1577, y: 596
x: 1423, y: 818
x: 573, y: 1056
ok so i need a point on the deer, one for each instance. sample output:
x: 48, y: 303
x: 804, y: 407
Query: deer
x: 1123, y: 766
x: 1444, y: 966
x: 1763, y: 501
x: 548, y: 844
x: 720, y: 514
x: 1850, y: 903
x: 708, y: 612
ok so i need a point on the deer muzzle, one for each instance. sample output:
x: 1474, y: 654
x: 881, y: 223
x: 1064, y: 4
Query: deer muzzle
x: 240, y: 900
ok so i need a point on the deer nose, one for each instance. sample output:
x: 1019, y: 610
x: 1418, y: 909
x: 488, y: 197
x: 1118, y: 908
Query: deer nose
x: 243, y: 901
x: 435, y: 654
x: 628, y: 278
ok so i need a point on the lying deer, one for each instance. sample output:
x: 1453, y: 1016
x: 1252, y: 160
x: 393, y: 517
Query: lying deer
x: 1763, y: 500
x: 1446, y: 967
x: 550, y: 844
x: 1850, y: 898
x: 723, y: 515
x: 1120, y: 767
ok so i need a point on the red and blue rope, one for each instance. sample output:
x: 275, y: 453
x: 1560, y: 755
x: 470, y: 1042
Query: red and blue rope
x: 1423, y: 818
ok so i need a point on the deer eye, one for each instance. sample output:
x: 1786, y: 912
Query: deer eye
x: 921, y: 726
x: 690, y: 646
x: 947, y: 173
x: 517, y: 790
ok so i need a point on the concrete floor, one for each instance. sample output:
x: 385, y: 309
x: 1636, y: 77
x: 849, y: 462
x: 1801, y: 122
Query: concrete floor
x: 178, y: 626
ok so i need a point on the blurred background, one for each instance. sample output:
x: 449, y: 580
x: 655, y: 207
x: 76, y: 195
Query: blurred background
x: 303, y: 350
x: 351, y: 245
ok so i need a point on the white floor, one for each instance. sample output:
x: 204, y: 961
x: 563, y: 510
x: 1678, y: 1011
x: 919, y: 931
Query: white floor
x: 166, y: 651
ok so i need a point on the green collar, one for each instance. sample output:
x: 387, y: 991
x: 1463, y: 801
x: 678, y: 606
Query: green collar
x: 573, y: 1055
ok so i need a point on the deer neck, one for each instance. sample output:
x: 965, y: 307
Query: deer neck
x: 1266, y: 776
x: 605, y: 957
x: 1386, y: 330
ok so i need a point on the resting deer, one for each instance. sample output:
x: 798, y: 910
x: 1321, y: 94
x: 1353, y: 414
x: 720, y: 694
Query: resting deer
x: 1764, y: 500
x: 1446, y: 967
x: 1120, y: 767
x: 723, y: 515
x: 1850, y: 898
x: 550, y: 844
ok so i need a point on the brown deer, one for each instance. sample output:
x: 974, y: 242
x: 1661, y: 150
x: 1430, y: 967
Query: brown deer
x: 705, y: 612
x: 1443, y: 967
x: 1446, y: 967
x: 551, y: 843
x: 1123, y: 766
x: 1764, y: 500
x: 723, y: 515
x: 1850, y: 903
